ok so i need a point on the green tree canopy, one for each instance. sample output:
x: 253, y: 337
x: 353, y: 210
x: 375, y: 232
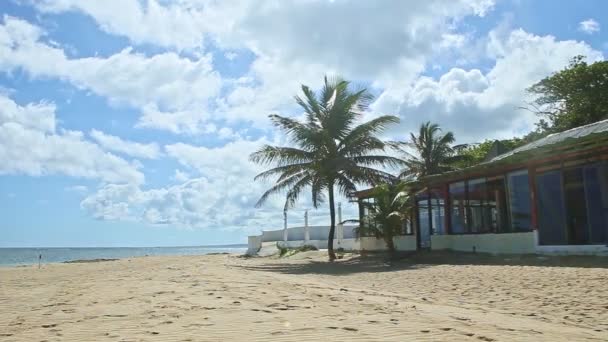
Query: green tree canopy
x: 573, y: 97
x: 392, y: 207
x: 432, y: 152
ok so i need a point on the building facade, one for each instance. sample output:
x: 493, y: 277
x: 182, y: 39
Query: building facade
x: 547, y: 196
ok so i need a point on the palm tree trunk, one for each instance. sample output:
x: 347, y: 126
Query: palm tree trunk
x: 390, y: 244
x: 332, y: 227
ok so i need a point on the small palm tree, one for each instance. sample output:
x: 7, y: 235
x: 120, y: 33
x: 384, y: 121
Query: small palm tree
x: 331, y: 151
x: 385, y: 217
x: 434, y: 152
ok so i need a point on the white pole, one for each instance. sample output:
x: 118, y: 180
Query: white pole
x: 306, y: 231
x: 339, y: 213
x: 285, y: 225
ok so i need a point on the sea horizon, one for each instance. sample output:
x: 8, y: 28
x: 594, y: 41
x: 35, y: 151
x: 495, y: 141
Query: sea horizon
x: 21, y: 256
x: 170, y: 246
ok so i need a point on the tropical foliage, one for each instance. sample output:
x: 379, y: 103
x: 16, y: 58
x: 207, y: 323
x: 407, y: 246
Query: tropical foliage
x: 391, y: 209
x: 433, y: 152
x: 332, y: 152
x: 572, y: 97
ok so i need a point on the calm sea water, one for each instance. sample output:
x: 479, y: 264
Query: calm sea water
x: 27, y: 256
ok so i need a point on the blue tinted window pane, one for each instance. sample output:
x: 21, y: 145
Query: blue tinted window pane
x: 551, y: 213
x: 519, y: 201
x: 425, y: 227
x: 479, y: 213
x: 596, y: 192
x: 437, y: 212
x: 457, y: 198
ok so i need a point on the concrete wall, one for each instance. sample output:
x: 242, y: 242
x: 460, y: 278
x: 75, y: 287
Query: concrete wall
x: 349, y: 232
x: 272, y: 235
x: 402, y: 243
x: 573, y: 250
x: 508, y: 243
x: 295, y: 234
x: 254, y: 243
x: 405, y: 242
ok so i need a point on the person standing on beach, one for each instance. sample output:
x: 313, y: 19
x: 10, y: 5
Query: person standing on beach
x: 39, y: 260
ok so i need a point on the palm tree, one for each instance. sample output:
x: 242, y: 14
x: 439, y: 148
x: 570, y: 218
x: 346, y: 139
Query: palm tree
x: 331, y: 151
x: 385, y: 217
x: 434, y: 152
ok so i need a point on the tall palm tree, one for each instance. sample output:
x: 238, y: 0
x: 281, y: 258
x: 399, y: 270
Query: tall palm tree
x: 331, y: 151
x: 385, y: 217
x: 433, y: 152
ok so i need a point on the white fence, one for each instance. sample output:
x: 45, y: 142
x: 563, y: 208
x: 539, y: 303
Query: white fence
x: 344, y: 237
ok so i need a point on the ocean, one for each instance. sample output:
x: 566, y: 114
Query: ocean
x: 29, y: 256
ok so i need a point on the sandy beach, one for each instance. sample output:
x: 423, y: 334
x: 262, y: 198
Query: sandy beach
x: 304, y: 298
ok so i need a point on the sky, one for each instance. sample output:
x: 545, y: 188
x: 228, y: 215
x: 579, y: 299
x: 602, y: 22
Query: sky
x: 130, y: 123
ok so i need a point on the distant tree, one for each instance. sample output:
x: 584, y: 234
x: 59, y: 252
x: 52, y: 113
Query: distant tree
x: 473, y: 154
x: 575, y: 96
x: 385, y: 217
x: 433, y: 152
x: 331, y: 151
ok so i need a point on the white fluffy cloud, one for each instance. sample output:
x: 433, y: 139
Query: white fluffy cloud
x: 589, y: 26
x: 302, y: 39
x: 477, y: 105
x: 218, y: 192
x: 130, y: 148
x: 30, y: 144
x: 180, y: 25
x: 163, y: 81
x: 291, y: 42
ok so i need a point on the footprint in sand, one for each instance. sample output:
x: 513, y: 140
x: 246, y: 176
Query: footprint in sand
x: 49, y: 325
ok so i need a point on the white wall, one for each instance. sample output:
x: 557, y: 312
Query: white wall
x: 402, y: 243
x: 508, y: 243
x: 405, y: 243
x: 254, y: 243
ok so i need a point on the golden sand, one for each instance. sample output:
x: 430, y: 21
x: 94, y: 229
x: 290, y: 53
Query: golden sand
x: 304, y: 298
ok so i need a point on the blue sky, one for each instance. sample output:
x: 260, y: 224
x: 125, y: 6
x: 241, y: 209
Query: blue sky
x: 129, y: 123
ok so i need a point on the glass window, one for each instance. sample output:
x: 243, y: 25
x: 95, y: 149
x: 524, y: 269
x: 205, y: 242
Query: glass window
x: 497, y: 205
x: 519, y: 201
x: 478, y: 210
x: 424, y: 222
x: 457, y: 205
x: 437, y: 212
x: 596, y: 189
x: 576, y: 206
x: 551, y: 211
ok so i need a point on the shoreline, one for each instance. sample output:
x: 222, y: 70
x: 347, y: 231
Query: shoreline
x: 80, y: 258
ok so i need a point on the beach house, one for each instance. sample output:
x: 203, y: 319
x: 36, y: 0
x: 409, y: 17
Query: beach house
x: 550, y: 195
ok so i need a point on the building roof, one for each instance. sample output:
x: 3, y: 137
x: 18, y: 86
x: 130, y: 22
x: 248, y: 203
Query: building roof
x: 573, y: 140
x: 557, y: 138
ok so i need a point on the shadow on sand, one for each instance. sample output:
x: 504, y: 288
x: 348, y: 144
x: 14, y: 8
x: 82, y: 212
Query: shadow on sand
x: 380, y: 263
